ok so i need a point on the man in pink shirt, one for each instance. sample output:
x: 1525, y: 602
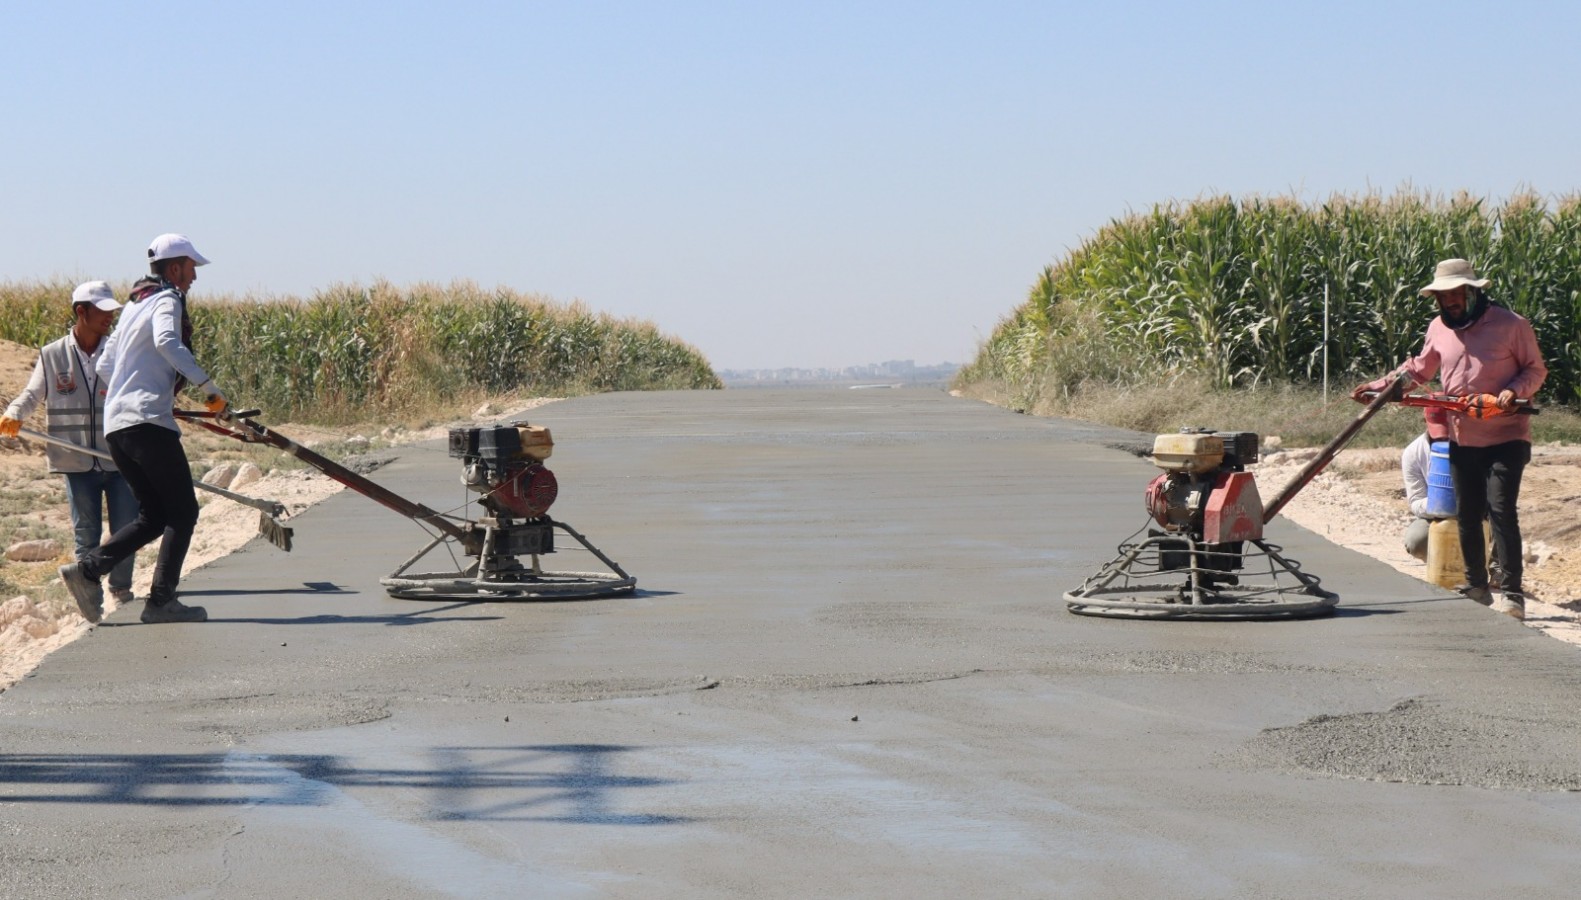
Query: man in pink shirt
x: 1476, y: 346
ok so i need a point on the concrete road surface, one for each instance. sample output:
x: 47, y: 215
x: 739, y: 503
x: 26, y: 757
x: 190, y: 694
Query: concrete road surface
x: 848, y: 672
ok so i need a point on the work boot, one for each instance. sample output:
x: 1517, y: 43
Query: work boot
x: 1480, y: 594
x: 88, y: 592
x: 1512, y: 604
x: 172, y: 610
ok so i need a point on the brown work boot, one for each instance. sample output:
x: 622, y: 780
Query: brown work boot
x: 172, y: 610
x: 1511, y: 603
x: 88, y: 592
x: 1480, y: 594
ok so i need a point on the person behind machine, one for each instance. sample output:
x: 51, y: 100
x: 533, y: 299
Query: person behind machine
x: 64, y: 380
x: 146, y: 363
x: 1414, y: 464
x: 1478, y: 347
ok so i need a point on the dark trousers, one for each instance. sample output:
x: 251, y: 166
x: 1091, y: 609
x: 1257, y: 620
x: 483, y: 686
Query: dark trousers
x: 155, y: 466
x: 1488, y: 484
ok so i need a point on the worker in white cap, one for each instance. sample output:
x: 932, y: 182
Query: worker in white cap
x: 72, y: 393
x: 145, y: 364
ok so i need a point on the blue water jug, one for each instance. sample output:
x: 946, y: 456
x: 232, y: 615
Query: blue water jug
x: 1440, y: 488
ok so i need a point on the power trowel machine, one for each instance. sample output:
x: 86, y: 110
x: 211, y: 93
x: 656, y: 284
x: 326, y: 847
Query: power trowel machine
x: 1207, y: 558
x: 497, y: 555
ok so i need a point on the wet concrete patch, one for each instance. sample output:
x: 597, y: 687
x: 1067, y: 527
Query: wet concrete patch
x: 1423, y: 742
x: 898, y: 620
x: 269, y: 713
x: 1183, y: 662
x: 579, y: 690
x: 835, y: 681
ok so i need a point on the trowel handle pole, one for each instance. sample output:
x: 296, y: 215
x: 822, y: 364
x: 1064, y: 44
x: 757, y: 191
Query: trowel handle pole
x: 69, y: 445
x: 271, y: 507
x: 1319, y: 462
x: 373, y: 491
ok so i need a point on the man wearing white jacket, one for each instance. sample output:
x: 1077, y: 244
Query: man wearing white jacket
x: 146, y: 364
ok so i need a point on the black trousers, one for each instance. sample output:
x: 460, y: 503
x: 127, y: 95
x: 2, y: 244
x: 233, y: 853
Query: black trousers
x: 1488, y: 485
x: 155, y: 466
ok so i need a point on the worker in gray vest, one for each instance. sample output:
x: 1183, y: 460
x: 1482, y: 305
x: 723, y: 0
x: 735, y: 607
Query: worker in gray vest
x: 64, y: 380
x: 147, y: 362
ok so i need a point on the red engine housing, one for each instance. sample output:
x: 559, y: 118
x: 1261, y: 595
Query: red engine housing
x: 527, y: 490
x: 1217, y: 507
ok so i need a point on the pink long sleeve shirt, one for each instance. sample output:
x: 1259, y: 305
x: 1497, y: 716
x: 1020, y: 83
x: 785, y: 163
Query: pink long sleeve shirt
x: 1497, y: 352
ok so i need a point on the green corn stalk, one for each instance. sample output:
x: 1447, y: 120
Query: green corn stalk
x: 1233, y: 291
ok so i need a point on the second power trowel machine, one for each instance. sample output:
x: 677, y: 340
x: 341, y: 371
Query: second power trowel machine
x: 496, y: 555
x: 1208, y: 558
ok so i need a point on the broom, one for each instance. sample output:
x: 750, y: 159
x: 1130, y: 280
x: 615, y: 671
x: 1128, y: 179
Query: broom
x: 269, y: 511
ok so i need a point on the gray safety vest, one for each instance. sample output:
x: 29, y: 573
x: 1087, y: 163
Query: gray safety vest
x: 73, y: 408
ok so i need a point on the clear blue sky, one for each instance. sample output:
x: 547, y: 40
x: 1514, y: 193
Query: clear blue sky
x: 803, y: 184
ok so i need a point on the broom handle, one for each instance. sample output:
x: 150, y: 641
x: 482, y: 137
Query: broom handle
x: 1311, y: 470
x: 271, y: 507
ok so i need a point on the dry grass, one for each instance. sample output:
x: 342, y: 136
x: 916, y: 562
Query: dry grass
x: 1299, y: 415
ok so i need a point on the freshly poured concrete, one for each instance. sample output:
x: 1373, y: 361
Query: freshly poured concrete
x: 848, y: 671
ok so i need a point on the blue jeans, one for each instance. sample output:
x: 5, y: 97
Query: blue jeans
x: 89, y: 493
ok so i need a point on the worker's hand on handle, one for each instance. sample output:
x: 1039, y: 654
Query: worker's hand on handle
x: 214, y: 401
x: 1366, y: 393
x: 1506, y: 400
x: 10, y: 427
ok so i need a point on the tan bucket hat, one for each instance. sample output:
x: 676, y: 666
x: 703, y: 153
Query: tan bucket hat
x: 1452, y: 273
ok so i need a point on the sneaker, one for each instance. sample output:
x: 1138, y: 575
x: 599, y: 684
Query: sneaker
x: 1511, y: 603
x: 1480, y: 594
x: 172, y: 611
x: 122, y: 596
x: 88, y: 592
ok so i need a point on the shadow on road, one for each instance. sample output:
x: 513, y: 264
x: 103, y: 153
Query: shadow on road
x: 418, y: 617
x: 563, y: 783
x: 1384, y: 605
x: 331, y: 619
x: 308, y: 587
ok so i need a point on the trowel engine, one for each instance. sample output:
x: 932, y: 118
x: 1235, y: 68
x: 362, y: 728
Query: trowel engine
x: 1205, y: 494
x: 505, y: 465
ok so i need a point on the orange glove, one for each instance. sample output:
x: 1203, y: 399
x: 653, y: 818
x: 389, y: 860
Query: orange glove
x: 10, y: 427
x: 214, y: 400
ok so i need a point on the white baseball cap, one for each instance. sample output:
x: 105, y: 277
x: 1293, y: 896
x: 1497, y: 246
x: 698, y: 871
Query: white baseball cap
x: 174, y: 246
x: 97, y: 293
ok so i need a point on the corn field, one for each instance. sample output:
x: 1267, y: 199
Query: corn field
x: 1234, y: 291
x: 350, y: 350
